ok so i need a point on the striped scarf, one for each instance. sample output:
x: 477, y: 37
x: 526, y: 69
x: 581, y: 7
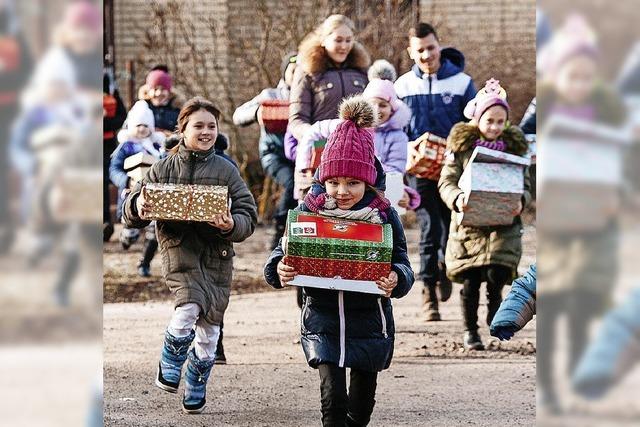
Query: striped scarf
x: 498, y: 145
x: 323, y: 204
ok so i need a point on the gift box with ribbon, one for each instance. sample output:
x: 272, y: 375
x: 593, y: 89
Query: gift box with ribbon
x: 426, y: 156
x: 493, y: 184
x: 186, y: 202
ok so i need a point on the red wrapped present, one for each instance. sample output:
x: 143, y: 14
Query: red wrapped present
x: 344, y: 251
x: 426, y: 156
x: 275, y: 115
x: 316, y: 154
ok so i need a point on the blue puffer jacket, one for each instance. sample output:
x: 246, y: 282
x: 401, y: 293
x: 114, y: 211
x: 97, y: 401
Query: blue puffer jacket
x: 518, y: 307
x: 436, y: 101
x: 350, y: 329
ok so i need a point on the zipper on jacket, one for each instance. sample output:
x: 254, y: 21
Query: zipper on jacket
x: 384, y: 319
x: 192, y: 164
x: 341, y: 82
x: 430, y: 100
x: 342, y: 328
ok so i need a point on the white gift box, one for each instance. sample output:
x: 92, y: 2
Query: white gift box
x: 493, y: 184
x: 395, y: 190
x: 580, y: 174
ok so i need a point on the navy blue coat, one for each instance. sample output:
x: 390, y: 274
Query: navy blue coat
x: 436, y: 101
x: 369, y: 327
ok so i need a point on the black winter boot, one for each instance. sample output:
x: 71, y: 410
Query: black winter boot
x: 221, y: 359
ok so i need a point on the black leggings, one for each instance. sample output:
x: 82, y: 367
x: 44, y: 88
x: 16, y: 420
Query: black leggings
x: 340, y: 409
x: 496, y: 276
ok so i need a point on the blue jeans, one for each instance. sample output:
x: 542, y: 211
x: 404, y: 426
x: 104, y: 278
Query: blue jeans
x: 434, y: 218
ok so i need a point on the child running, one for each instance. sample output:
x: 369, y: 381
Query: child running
x: 197, y: 256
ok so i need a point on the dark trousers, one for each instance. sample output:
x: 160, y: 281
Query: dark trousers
x: 496, y: 277
x: 581, y: 307
x: 434, y: 218
x: 282, y: 173
x: 338, y: 407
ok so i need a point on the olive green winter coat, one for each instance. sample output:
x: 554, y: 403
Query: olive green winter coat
x: 197, y: 257
x: 470, y: 247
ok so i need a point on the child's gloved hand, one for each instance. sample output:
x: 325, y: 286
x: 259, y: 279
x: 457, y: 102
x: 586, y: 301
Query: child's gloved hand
x: 387, y: 284
x: 503, y: 334
x: 223, y: 221
x: 142, y: 205
x: 286, y: 272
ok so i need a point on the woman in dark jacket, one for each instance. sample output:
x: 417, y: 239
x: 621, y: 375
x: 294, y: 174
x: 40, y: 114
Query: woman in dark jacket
x: 331, y: 66
x: 343, y: 329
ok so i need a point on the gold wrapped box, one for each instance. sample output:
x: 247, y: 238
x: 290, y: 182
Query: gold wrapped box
x: 182, y: 202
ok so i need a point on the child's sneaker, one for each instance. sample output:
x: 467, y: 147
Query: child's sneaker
x: 174, y: 354
x: 128, y: 236
x: 144, y: 270
x: 196, y: 379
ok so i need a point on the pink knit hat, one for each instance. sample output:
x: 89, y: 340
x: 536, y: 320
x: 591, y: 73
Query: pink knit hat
x: 383, y: 89
x: 349, y: 151
x: 83, y: 14
x: 159, y: 78
x: 491, y: 94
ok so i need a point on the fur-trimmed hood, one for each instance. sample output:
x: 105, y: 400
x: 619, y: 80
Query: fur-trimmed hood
x: 313, y: 58
x: 464, y: 135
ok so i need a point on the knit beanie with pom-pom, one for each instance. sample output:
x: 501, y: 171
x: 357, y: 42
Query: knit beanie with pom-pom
x: 350, y: 151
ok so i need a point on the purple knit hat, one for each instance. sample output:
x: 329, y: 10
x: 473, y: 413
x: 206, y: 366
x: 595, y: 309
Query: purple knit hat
x: 349, y: 151
x: 491, y: 94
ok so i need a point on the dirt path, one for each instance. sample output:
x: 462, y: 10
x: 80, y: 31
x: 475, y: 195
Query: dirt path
x: 432, y: 380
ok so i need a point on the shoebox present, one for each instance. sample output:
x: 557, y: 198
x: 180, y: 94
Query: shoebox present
x: 426, y: 156
x: 141, y: 159
x: 334, y: 253
x: 77, y: 196
x: 580, y: 174
x: 186, y: 202
x: 493, y: 184
x: 274, y: 114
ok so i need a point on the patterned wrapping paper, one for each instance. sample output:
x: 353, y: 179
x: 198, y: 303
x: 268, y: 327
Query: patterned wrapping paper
x: 361, y: 250
x: 186, y: 202
x: 275, y: 115
x: 493, y: 190
x: 350, y: 270
x: 426, y: 156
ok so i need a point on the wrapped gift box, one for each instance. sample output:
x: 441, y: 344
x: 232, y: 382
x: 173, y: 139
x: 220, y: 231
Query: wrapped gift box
x: 426, y: 156
x: 395, y: 190
x: 493, y: 184
x: 316, y: 153
x: 275, y: 115
x: 182, y: 202
x: 141, y: 159
x: 338, y: 249
x: 580, y: 174
x: 77, y: 196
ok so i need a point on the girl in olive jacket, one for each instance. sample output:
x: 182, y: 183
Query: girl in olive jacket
x: 196, y: 256
x: 476, y: 254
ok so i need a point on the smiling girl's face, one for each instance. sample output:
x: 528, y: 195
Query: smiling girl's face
x: 347, y: 191
x: 492, y: 122
x: 201, y: 131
